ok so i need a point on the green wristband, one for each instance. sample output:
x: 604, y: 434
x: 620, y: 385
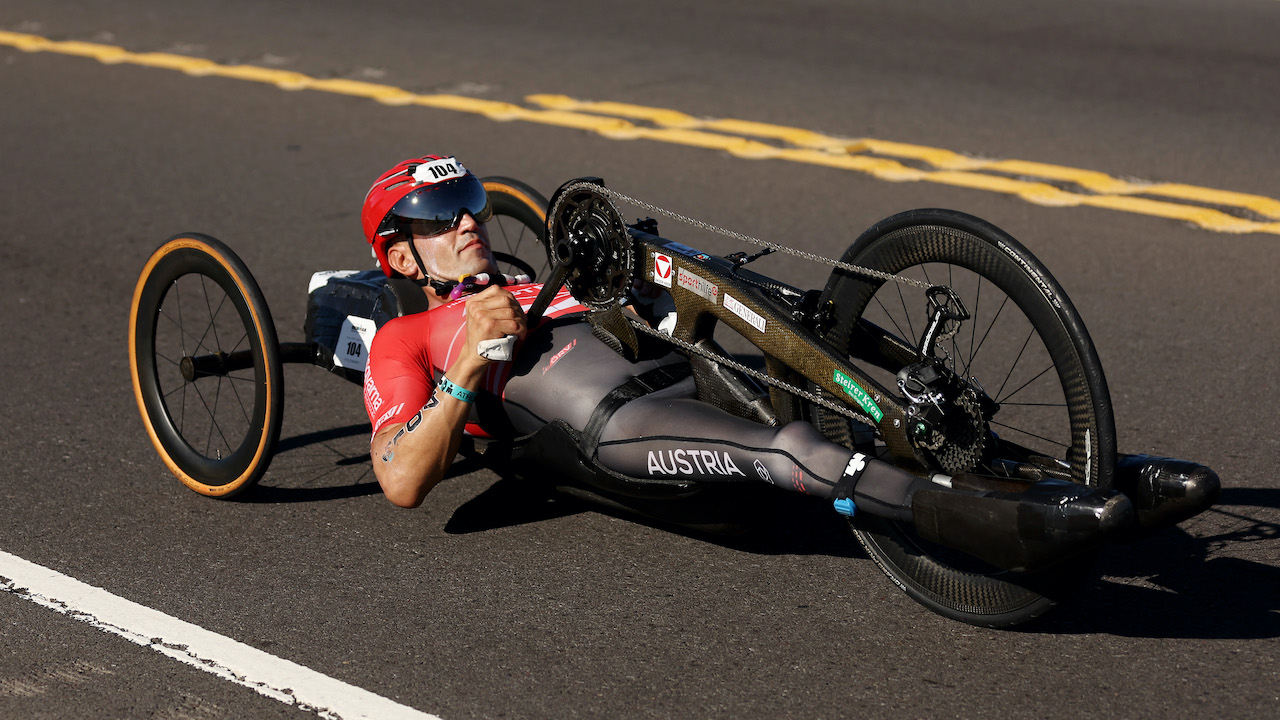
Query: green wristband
x: 462, y: 394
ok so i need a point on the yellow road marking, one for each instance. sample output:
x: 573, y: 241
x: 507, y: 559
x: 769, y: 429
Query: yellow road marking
x: 1034, y: 182
x: 946, y: 160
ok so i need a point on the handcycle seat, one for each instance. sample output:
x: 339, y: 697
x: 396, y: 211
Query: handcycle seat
x: 344, y: 310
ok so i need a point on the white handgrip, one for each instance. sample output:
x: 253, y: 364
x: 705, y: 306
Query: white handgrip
x: 501, y: 349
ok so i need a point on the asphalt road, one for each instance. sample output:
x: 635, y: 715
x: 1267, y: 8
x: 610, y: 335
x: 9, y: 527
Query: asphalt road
x: 492, y: 602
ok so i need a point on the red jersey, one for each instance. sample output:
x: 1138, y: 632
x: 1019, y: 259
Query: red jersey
x: 409, y: 354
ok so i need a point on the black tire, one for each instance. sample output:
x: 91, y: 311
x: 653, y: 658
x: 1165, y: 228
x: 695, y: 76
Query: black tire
x: 518, y: 228
x: 1054, y: 396
x: 216, y: 432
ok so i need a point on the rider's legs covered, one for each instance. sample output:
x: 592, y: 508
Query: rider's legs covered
x: 641, y: 423
x: 664, y: 437
x: 666, y: 434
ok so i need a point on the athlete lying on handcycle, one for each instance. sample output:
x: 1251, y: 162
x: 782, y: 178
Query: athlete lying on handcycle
x: 940, y: 390
x: 942, y: 464
x: 425, y: 219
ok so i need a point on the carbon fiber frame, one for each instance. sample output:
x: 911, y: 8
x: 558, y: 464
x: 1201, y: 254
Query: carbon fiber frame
x: 708, y: 289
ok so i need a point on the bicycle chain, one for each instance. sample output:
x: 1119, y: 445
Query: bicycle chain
x: 857, y: 269
x: 953, y: 457
x: 727, y: 362
x: 750, y: 371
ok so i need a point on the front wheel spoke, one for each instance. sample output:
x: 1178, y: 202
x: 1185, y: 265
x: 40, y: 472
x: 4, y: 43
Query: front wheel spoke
x: 213, y: 421
x: 212, y: 326
x: 177, y: 300
x: 973, y: 355
x: 241, y: 340
x: 519, y: 242
x: 894, y: 320
x: 1025, y: 384
x: 200, y: 341
x: 1014, y: 366
x: 1030, y: 434
x: 181, y: 328
x: 239, y: 401
x: 213, y: 314
x: 182, y: 405
x: 213, y: 418
x: 1032, y: 404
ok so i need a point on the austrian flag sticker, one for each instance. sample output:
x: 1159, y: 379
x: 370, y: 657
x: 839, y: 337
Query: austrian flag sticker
x: 662, y: 269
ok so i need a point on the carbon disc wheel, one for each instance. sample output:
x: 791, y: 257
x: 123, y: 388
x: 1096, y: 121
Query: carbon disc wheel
x: 206, y: 368
x: 1025, y: 348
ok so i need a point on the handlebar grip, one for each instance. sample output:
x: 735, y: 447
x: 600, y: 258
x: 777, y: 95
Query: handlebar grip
x: 500, y: 349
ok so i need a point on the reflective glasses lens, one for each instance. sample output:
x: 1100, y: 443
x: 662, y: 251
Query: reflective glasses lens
x: 438, y: 209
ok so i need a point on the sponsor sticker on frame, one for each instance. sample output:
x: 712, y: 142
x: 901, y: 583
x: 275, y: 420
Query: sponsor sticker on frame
x: 751, y: 316
x: 662, y: 270
x: 697, y: 284
x: 860, y: 396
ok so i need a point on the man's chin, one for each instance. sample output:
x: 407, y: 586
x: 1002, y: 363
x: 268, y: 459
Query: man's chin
x: 486, y: 262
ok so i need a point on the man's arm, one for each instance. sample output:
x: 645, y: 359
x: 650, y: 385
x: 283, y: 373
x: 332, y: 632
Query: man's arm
x: 410, y: 458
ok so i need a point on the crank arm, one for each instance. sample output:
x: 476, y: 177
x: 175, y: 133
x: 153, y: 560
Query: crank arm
x: 548, y: 293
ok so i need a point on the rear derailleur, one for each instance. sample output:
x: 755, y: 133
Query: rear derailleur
x: 947, y: 415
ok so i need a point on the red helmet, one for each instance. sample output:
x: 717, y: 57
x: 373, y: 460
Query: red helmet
x: 426, y: 195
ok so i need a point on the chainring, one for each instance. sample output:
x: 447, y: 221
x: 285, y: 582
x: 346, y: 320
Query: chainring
x: 587, y: 234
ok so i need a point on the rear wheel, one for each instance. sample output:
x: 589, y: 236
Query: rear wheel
x: 1024, y: 347
x: 518, y: 229
x: 206, y: 366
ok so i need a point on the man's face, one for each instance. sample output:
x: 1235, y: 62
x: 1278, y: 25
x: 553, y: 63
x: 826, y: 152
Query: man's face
x: 460, y: 252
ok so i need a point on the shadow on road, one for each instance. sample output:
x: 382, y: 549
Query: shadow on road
x: 266, y: 494
x: 1170, y: 585
x: 304, y: 485
x: 1176, y: 585
x: 321, y: 436
x: 752, y: 518
x: 1222, y: 582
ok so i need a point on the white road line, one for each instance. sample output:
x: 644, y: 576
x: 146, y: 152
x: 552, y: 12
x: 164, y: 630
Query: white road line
x: 266, y: 674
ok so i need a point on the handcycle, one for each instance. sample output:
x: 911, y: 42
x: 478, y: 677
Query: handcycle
x: 938, y: 344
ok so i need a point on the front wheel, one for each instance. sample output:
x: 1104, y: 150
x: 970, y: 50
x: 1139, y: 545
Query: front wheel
x: 1030, y: 398
x: 518, y: 228
x: 206, y: 366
